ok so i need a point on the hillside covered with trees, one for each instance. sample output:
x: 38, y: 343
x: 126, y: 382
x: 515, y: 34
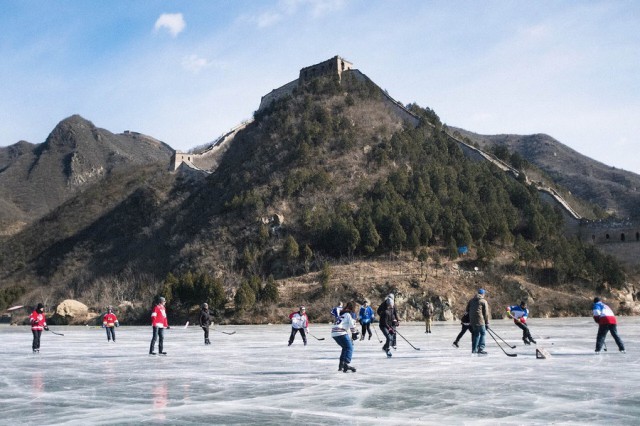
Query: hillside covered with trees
x: 351, y: 184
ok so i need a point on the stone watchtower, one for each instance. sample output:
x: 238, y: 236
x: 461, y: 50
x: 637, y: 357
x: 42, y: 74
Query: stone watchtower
x: 333, y: 66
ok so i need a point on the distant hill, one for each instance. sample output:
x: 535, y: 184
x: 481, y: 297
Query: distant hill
x: 615, y: 191
x: 36, y: 178
x: 331, y: 174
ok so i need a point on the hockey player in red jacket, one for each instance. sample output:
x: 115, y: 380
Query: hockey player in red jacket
x: 38, y: 323
x: 109, y: 322
x: 159, y: 323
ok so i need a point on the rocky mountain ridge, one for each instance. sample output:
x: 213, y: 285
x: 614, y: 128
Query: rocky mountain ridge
x: 36, y: 178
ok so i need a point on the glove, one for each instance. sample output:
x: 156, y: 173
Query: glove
x: 117, y: 324
x: 487, y: 326
x: 46, y: 328
x: 104, y: 326
x: 355, y: 336
x: 168, y: 327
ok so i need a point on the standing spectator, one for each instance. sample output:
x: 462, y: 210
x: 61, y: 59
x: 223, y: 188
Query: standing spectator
x: 366, y: 316
x: 159, y: 322
x: 388, y: 322
x: 299, y: 323
x: 38, y: 323
x: 205, y: 322
x: 603, y: 315
x: 109, y: 322
x: 427, y: 313
x: 520, y: 313
x: 466, y: 326
x: 335, y: 312
x: 344, y: 332
x: 479, y: 314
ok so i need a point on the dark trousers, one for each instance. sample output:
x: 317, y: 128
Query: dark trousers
x: 390, y: 334
x: 465, y: 328
x: 603, y: 329
x: 526, y: 334
x: 347, y: 347
x: 366, y: 327
x: 158, y: 334
x: 293, y: 335
x: 206, y: 333
x: 111, y: 333
x: 36, y: 339
x: 477, y: 335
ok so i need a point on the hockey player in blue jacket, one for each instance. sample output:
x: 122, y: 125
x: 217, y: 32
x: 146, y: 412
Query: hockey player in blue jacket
x: 366, y: 316
x: 519, y: 313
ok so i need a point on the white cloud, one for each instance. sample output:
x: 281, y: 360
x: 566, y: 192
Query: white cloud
x: 288, y: 8
x: 195, y: 63
x: 172, y: 22
x: 268, y: 19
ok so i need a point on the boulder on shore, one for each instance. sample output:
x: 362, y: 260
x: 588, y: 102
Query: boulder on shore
x: 71, y: 312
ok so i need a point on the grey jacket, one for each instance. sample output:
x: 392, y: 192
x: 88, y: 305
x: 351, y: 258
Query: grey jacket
x: 479, y: 312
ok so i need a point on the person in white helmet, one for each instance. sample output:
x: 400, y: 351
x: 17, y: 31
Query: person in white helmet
x: 388, y: 322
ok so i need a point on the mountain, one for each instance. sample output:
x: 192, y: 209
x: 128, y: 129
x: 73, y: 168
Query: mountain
x: 35, y: 179
x: 333, y: 191
x: 616, y: 192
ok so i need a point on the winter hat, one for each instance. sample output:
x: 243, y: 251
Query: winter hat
x: 481, y: 291
x: 391, y: 296
x: 596, y: 300
x: 40, y: 306
x: 205, y: 306
x: 161, y: 299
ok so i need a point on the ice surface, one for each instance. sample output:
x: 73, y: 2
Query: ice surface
x: 252, y: 377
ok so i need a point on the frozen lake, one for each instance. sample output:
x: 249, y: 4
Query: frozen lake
x: 253, y: 377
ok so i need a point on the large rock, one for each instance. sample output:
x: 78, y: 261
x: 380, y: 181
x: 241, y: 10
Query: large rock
x: 71, y: 312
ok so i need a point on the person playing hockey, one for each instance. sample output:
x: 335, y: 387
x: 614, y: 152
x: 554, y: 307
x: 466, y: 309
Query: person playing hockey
x: 335, y: 312
x: 479, y: 315
x: 109, y: 322
x: 388, y: 322
x: 344, y: 332
x: 427, y: 313
x: 299, y: 323
x: 38, y: 322
x: 466, y: 326
x: 520, y: 313
x: 205, y: 322
x: 159, y: 322
x: 366, y: 316
x: 603, y: 315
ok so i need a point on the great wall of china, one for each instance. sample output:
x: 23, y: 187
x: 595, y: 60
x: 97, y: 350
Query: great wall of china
x: 613, y: 236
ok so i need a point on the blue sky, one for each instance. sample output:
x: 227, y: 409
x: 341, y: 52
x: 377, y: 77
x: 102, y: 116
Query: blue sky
x: 187, y: 71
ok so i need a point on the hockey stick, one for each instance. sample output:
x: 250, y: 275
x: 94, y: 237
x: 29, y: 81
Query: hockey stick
x: 505, y: 352
x: 317, y: 338
x: 377, y: 337
x: 225, y: 332
x: 57, y: 334
x: 417, y: 349
x: 498, y: 336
